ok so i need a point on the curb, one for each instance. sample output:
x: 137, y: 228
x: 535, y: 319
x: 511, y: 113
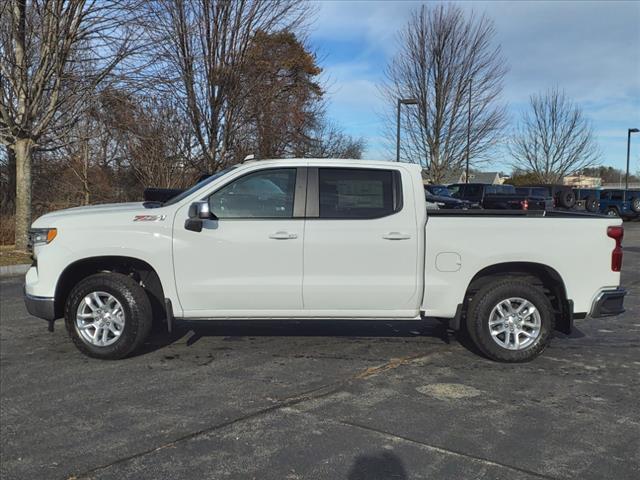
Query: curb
x: 14, y: 269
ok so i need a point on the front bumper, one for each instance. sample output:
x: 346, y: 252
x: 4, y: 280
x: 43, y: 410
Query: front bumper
x: 41, y: 307
x: 609, y: 303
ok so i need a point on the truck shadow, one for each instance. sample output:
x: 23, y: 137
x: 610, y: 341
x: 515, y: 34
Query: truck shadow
x: 237, y: 329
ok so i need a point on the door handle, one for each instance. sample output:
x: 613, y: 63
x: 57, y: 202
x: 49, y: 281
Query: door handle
x: 396, y: 236
x: 283, y: 236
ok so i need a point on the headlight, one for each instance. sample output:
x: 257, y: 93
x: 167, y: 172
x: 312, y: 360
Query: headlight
x: 41, y: 236
x: 441, y: 204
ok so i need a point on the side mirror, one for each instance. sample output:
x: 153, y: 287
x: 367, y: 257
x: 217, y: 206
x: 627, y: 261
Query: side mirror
x: 198, y: 211
x: 193, y: 224
x: 201, y: 210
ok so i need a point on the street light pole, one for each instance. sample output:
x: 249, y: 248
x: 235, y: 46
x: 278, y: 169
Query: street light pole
x: 626, y: 178
x: 401, y: 101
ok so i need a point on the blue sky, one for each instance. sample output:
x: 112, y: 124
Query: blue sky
x: 589, y: 49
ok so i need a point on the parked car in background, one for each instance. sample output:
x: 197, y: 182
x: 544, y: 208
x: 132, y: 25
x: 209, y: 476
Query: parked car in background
x: 156, y: 194
x: 549, y: 201
x: 587, y: 199
x: 496, y: 197
x: 441, y: 196
x: 634, y: 195
x: 563, y: 195
x: 616, y: 204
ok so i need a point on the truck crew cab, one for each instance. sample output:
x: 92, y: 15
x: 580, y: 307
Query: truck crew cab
x: 331, y: 239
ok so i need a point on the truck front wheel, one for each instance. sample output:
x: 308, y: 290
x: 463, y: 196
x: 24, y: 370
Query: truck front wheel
x: 108, y: 315
x: 510, y: 320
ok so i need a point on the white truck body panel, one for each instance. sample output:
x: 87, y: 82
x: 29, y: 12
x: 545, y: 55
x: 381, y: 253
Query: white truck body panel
x: 578, y: 249
x: 328, y: 268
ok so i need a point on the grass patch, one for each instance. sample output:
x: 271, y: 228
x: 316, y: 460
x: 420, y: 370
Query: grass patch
x: 10, y: 256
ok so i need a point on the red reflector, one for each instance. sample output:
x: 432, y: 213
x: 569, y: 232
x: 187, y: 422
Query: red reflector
x: 524, y: 204
x: 616, y: 255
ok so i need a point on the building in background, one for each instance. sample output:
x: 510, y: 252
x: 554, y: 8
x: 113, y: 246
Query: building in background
x: 582, y: 181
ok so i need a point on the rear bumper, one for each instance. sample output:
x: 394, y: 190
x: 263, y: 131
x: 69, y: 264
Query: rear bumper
x: 609, y: 303
x: 41, y: 307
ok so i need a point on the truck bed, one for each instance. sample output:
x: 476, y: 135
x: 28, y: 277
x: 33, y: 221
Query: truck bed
x: 512, y: 213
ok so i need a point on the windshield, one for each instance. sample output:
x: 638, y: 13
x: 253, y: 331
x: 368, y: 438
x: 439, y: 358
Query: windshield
x: 439, y: 190
x: 197, y: 186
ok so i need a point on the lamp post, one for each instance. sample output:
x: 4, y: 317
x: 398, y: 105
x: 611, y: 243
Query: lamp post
x: 626, y: 178
x: 402, y: 101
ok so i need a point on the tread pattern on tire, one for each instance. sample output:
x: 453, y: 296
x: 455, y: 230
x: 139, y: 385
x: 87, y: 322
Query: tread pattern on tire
x: 137, y: 313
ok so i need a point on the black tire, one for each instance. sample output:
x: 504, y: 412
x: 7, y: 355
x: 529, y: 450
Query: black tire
x: 135, y: 305
x: 635, y: 204
x: 591, y: 204
x: 613, y: 212
x: 566, y: 198
x: 484, y: 301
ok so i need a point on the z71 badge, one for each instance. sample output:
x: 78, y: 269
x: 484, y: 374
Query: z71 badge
x: 149, y: 218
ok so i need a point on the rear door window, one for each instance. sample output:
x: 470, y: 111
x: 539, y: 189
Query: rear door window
x: 618, y: 196
x: 473, y: 191
x: 357, y: 193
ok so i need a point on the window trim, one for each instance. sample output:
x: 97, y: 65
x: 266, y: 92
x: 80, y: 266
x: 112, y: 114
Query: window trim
x: 299, y: 193
x: 313, y: 192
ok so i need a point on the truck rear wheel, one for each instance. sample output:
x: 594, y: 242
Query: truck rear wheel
x: 108, y: 315
x: 510, y: 320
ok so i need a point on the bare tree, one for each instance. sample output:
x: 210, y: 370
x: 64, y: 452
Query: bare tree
x: 205, y: 43
x: 330, y: 142
x: 53, y: 54
x: 446, y: 59
x: 553, y: 139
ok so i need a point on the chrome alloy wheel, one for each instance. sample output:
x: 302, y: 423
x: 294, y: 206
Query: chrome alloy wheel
x: 515, y: 323
x: 100, y: 319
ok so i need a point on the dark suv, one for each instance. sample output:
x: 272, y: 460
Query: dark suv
x: 496, y: 197
x: 549, y: 201
x: 618, y: 204
x: 441, y: 196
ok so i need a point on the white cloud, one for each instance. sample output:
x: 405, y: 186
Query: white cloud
x: 589, y: 49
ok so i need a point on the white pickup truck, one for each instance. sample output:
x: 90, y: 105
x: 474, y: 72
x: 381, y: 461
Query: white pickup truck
x: 321, y: 239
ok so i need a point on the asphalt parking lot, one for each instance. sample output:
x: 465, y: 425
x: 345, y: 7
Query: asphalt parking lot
x: 312, y: 400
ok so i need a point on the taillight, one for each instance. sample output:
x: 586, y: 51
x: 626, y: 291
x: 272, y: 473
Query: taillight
x: 524, y: 204
x: 616, y: 256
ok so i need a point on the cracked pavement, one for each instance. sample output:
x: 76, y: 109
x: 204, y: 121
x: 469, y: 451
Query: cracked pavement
x: 321, y: 400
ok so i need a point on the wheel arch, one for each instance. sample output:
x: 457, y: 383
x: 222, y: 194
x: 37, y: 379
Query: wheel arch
x: 542, y: 275
x: 140, y: 270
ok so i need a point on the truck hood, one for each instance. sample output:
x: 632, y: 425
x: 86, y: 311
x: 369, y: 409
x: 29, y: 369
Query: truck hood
x: 119, y: 208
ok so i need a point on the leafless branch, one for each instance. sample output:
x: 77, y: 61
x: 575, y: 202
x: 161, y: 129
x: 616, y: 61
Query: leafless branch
x: 444, y: 58
x: 553, y: 138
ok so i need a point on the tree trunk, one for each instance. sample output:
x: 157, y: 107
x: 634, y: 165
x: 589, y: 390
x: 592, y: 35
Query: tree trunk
x: 85, y: 173
x: 9, y: 197
x: 23, y: 149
